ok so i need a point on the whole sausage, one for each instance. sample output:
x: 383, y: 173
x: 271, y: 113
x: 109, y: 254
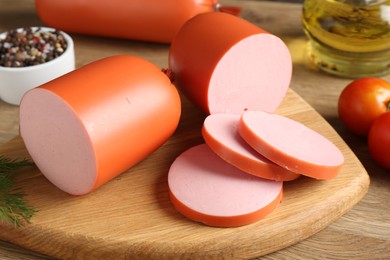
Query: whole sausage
x: 146, y: 20
x: 86, y: 127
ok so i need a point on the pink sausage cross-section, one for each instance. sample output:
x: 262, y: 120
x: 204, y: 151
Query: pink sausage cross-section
x: 291, y: 144
x: 221, y: 135
x: 225, y: 64
x: 205, y: 188
x: 96, y: 122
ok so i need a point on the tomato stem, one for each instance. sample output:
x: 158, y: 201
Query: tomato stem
x: 169, y: 74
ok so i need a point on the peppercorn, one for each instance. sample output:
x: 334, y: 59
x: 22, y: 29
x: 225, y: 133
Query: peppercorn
x: 29, y: 47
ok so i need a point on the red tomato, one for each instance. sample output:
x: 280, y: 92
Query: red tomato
x: 379, y: 140
x: 362, y: 101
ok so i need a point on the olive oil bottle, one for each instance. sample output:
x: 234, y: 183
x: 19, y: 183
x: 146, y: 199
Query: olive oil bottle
x: 349, y: 38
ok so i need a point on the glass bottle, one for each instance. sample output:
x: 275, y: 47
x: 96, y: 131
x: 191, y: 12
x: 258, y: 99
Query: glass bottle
x: 349, y: 38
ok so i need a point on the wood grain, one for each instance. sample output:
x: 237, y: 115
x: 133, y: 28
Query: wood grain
x: 363, y: 232
x: 132, y: 217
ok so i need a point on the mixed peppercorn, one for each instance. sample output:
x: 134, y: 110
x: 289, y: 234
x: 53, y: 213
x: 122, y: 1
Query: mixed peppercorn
x: 29, y: 47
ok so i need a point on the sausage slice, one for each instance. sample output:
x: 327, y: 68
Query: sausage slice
x: 220, y: 133
x: 291, y: 144
x: 205, y: 188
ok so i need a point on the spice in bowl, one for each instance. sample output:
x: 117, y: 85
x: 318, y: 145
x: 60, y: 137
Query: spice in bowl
x: 30, y: 57
x: 30, y: 46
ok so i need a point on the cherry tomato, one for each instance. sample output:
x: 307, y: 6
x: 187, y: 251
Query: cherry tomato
x: 362, y: 101
x: 379, y: 140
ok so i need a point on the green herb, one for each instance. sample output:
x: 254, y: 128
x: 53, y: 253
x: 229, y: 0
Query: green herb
x: 13, y: 207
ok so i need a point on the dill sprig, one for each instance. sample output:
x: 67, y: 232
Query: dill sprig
x: 7, y: 165
x: 13, y: 208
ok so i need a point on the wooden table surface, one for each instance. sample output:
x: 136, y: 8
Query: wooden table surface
x: 362, y: 233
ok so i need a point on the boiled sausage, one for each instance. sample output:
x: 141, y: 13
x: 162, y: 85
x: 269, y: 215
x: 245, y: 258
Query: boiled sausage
x: 88, y: 126
x: 146, y: 20
x: 220, y: 134
x: 291, y: 144
x: 205, y: 188
x: 225, y: 64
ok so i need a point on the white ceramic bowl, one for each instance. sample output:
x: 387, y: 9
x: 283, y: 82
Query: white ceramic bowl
x: 15, y: 81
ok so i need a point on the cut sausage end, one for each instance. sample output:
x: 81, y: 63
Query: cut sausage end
x: 87, y: 127
x: 228, y: 71
x: 254, y: 74
x: 291, y: 144
x: 57, y: 141
x: 205, y: 188
x: 221, y: 135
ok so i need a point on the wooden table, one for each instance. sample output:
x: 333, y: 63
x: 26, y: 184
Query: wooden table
x: 362, y: 233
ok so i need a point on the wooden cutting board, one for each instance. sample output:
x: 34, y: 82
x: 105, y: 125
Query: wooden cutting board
x: 131, y: 217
